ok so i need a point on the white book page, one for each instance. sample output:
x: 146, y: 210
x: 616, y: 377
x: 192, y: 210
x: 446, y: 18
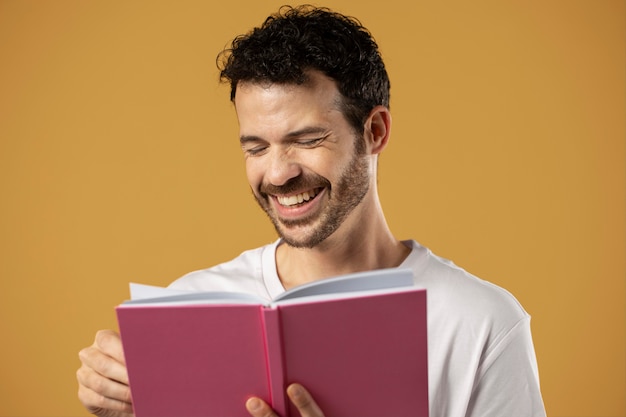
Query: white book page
x: 140, y: 291
x: 144, y: 295
x: 197, y: 298
x: 371, y: 281
x: 377, y: 281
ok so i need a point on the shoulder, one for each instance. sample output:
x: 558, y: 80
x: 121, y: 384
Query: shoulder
x: 451, y: 283
x: 457, y: 298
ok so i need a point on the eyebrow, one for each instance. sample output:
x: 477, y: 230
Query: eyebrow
x: 291, y: 135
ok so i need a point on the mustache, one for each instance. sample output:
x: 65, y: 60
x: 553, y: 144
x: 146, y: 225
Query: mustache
x: 298, y: 183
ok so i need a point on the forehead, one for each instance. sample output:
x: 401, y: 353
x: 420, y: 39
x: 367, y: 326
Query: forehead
x: 266, y: 107
x: 264, y: 98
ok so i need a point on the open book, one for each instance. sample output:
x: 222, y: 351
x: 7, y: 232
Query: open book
x: 356, y: 342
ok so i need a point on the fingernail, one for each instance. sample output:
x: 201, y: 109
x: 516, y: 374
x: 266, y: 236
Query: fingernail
x: 295, y: 390
x: 253, y: 404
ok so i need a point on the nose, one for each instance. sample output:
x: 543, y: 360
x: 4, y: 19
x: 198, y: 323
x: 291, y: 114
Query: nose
x: 281, y: 167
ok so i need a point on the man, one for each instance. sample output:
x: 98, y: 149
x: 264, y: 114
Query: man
x: 312, y: 98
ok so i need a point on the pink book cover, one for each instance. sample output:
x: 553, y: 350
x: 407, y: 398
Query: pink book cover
x: 193, y: 361
x: 360, y: 355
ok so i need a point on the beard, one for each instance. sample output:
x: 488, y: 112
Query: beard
x: 343, y: 197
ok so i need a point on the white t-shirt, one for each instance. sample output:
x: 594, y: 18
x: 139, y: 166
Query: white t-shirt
x: 481, y: 357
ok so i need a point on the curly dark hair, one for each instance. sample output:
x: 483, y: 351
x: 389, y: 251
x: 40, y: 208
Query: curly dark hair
x: 299, y: 39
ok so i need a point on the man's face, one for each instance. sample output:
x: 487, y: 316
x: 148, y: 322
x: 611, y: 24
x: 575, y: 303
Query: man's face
x: 301, y: 160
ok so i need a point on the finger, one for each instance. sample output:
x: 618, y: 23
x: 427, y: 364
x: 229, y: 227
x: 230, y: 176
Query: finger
x: 103, y: 386
x: 259, y: 408
x: 110, y: 343
x: 101, y: 405
x: 303, y: 401
x: 103, y: 364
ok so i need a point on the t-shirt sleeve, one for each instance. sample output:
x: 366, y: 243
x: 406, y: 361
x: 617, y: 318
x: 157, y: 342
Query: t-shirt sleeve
x: 507, y: 381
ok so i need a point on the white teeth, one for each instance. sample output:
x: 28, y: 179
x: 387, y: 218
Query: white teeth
x: 296, y: 199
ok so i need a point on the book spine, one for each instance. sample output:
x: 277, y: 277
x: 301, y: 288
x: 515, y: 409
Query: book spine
x: 275, y: 360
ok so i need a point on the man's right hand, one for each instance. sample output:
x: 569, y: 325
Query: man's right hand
x: 102, y: 378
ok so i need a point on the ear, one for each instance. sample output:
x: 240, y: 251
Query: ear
x: 378, y: 129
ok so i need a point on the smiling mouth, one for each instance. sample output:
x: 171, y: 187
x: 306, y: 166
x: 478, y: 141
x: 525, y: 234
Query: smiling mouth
x: 297, y: 199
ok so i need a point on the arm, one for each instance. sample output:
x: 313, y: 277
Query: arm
x: 299, y: 396
x: 102, y: 378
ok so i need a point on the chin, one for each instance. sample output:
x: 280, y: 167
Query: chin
x: 309, y: 240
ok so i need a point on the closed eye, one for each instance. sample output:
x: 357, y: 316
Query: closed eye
x: 253, y: 145
x: 256, y: 150
x: 310, y: 143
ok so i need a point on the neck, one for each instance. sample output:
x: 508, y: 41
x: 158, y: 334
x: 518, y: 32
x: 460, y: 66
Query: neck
x: 361, y: 246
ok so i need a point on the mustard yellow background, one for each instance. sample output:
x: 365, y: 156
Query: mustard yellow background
x: 119, y: 162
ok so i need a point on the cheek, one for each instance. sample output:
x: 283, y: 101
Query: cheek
x: 330, y: 166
